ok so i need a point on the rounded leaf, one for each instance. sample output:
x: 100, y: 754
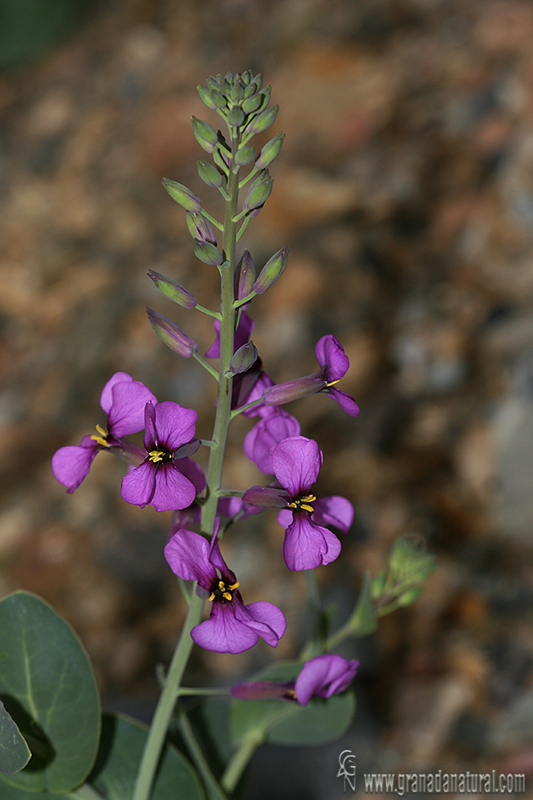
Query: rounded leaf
x: 49, y: 689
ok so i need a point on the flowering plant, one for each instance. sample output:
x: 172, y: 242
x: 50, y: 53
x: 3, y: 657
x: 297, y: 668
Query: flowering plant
x: 56, y: 742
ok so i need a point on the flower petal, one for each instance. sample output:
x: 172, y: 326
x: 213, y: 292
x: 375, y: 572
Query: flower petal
x: 222, y: 632
x: 126, y: 415
x: 324, y: 676
x: 346, y: 402
x: 174, y: 425
x: 172, y: 489
x: 139, y: 484
x: 193, y: 471
x: 269, y: 432
x: 266, y: 619
x: 335, y: 511
x: 297, y: 461
x: 106, y: 397
x: 71, y: 464
x: 187, y: 554
x: 307, y: 545
x: 329, y: 353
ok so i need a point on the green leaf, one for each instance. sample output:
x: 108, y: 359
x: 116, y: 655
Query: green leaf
x: 210, y: 722
x: 118, y: 760
x: 14, y: 752
x: 48, y: 687
x: 286, y: 723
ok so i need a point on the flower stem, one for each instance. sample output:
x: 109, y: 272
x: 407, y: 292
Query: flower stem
x: 167, y: 700
x: 240, y: 760
x: 85, y: 792
x: 195, y: 751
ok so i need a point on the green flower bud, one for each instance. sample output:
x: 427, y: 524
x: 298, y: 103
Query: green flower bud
x: 206, y: 97
x: 235, y: 117
x: 237, y: 93
x: 270, y: 151
x: 204, y: 134
x: 208, y: 253
x: 182, y: 195
x: 243, y: 358
x: 251, y: 104
x: 209, y: 174
x: 244, y: 276
x: 272, y: 271
x: 262, y: 121
x: 200, y: 228
x: 171, y: 335
x: 245, y: 155
x: 258, y: 192
x: 173, y: 290
x: 265, y: 97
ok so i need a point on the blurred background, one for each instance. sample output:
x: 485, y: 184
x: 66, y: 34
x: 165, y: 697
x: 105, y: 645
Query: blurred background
x: 405, y: 193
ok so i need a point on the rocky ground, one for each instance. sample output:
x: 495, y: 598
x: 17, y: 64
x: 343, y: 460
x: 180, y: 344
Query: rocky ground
x: 405, y: 193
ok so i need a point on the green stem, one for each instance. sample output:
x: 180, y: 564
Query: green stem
x: 200, y: 359
x: 193, y: 691
x: 167, y: 701
x: 169, y: 694
x: 208, y: 311
x: 240, y: 760
x: 199, y: 759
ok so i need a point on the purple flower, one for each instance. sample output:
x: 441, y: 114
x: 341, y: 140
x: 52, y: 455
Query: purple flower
x: 334, y: 366
x: 296, y: 462
x: 269, y: 432
x: 242, y: 334
x: 322, y: 676
x: 232, y: 627
x: 123, y: 400
x: 168, y: 438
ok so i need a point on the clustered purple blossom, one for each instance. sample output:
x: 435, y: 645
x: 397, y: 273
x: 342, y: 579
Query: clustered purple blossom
x: 161, y: 473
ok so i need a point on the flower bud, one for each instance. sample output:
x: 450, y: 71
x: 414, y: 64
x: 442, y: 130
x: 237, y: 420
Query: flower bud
x: 245, y: 155
x: 209, y: 174
x: 283, y: 393
x: 262, y: 121
x: 258, y: 192
x: 171, y: 335
x: 206, y: 97
x: 251, y: 104
x: 204, y: 134
x: 243, y: 358
x: 208, y: 253
x: 235, y: 117
x: 272, y: 271
x: 244, y: 276
x: 269, y: 152
x: 200, y: 228
x: 173, y: 290
x: 182, y: 195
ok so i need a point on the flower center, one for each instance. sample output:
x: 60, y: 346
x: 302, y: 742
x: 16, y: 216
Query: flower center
x: 101, y: 439
x: 222, y: 592
x: 159, y: 456
x: 303, y: 503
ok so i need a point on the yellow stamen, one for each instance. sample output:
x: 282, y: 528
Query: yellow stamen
x: 157, y: 455
x: 303, y: 503
x: 227, y: 595
x: 101, y: 439
x: 332, y: 383
x: 211, y: 597
x: 221, y: 585
x: 234, y: 586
